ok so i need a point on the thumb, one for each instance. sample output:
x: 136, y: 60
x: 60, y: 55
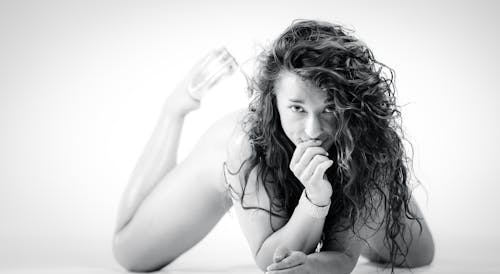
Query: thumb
x: 280, y: 253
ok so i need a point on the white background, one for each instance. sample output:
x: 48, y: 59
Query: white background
x: 82, y: 84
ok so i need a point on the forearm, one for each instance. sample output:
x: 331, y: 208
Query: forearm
x: 302, y: 232
x: 157, y: 159
x: 331, y: 262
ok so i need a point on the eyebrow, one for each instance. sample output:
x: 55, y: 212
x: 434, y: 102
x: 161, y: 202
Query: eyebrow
x: 293, y: 100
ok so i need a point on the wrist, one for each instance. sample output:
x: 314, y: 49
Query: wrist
x: 317, y: 200
x: 316, y: 211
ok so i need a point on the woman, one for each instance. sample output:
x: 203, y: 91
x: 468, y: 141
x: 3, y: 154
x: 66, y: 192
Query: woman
x: 315, y: 167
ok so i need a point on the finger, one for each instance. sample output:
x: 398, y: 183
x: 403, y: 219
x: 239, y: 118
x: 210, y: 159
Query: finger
x: 300, y: 269
x: 294, y: 270
x: 309, y: 170
x: 320, y: 170
x: 310, y: 152
x: 299, y: 150
x: 306, y: 158
x: 296, y: 258
x: 280, y: 253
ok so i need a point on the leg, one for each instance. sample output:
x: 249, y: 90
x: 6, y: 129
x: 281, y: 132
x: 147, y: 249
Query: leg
x: 159, y: 156
x: 178, y: 213
x: 421, y: 251
x: 167, y: 208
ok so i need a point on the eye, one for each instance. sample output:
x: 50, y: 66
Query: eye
x: 330, y: 109
x: 296, y: 108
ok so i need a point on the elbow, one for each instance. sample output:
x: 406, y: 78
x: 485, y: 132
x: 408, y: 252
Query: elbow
x: 131, y: 260
x: 428, y: 251
x: 265, y: 257
x: 425, y: 257
x: 262, y: 261
x: 424, y: 254
x: 262, y: 265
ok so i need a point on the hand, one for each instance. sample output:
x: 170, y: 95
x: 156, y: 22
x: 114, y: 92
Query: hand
x: 309, y: 164
x: 286, y: 261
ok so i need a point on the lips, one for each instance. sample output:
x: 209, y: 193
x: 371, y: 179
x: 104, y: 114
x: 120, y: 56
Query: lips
x: 301, y: 141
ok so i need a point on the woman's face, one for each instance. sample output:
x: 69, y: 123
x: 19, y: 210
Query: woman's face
x: 305, y: 112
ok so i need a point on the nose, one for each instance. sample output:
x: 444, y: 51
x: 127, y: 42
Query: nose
x: 313, y: 127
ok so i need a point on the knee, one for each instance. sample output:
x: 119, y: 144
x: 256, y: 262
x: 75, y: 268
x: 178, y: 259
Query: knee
x: 134, y: 265
x: 134, y: 261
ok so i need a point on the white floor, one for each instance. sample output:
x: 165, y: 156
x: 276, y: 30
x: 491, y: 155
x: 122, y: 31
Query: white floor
x: 438, y: 267
x: 233, y: 256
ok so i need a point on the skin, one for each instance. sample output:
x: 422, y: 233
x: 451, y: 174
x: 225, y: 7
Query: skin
x: 307, y: 119
x: 168, y: 207
x: 305, y: 114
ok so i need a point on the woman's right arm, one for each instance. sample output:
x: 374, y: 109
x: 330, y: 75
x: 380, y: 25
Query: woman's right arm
x: 299, y: 232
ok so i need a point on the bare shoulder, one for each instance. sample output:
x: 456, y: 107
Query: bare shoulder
x: 248, y: 191
x: 237, y: 151
x: 250, y: 199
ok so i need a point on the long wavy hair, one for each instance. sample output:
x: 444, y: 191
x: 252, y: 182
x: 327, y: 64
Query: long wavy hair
x: 370, y: 164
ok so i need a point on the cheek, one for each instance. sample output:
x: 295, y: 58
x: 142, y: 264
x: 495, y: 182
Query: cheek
x: 291, y: 127
x: 330, y: 129
x: 330, y: 126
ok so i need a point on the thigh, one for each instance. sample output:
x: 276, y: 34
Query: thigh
x: 181, y: 210
x: 421, y: 249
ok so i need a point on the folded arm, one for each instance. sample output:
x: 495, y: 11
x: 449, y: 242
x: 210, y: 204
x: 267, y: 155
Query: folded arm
x: 332, y: 262
x: 299, y: 232
x: 302, y: 232
x: 264, y: 233
x: 339, y: 255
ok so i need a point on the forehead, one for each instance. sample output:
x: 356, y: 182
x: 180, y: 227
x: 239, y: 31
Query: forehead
x: 291, y: 86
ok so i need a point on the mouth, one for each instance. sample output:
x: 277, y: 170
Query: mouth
x: 326, y: 144
x: 320, y: 144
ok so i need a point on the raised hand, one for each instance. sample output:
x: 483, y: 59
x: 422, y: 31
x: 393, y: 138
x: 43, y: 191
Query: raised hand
x: 309, y: 164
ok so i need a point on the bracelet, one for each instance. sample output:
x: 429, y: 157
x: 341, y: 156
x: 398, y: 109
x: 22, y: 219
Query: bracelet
x: 312, y: 201
x: 305, y: 205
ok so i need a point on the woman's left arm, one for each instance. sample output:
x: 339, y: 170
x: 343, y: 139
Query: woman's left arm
x: 339, y: 254
x: 320, y: 262
x: 331, y: 262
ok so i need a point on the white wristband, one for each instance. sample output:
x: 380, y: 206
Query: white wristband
x: 311, y: 209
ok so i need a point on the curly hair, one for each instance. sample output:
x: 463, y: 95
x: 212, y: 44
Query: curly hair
x: 370, y: 170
